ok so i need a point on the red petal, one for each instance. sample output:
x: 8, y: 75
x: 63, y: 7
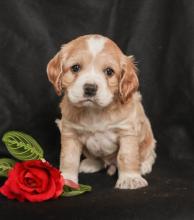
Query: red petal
x: 10, y: 192
x: 41, y: 175
x: 48, y: 194
x: 59, y: 187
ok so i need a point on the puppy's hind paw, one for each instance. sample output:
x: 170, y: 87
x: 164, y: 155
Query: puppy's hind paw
x: 90, y: 166
x: 111, y: 170
x: 146, y: 166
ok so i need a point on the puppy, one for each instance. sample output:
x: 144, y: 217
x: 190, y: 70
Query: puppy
x: 102, y: 114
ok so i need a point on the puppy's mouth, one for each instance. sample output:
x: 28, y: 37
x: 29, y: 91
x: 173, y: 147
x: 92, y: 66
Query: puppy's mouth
x: 88, y: 102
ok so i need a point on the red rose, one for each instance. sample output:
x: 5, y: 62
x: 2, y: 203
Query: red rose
x: 33, y: 180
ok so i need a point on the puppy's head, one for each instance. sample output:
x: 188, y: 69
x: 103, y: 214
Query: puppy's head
x: 93, y: 72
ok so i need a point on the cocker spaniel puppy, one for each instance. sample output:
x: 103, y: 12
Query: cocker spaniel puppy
x: 102, y: 114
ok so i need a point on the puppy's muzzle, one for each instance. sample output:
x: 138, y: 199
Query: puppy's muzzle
x: 90, y: 89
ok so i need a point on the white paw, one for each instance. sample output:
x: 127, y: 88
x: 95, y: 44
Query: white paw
x: 131, y: 181
x: 90, y: 166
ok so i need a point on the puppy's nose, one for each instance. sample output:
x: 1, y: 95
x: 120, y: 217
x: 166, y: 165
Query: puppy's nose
x: 90, y: 89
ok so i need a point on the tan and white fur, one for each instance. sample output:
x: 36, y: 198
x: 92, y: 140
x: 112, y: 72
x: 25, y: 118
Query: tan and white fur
x: 107, y: 124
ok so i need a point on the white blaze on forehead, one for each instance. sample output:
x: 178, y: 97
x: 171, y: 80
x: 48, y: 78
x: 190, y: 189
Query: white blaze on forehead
x: 96, y: 44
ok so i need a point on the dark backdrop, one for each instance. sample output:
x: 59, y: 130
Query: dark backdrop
x: 160, y: 34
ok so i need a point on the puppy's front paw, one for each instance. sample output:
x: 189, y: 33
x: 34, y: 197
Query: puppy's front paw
x: 131, y: 181
x: 90, y: 166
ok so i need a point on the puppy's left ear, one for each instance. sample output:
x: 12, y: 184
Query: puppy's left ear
x: 54, y: 72
x: 129, y: 82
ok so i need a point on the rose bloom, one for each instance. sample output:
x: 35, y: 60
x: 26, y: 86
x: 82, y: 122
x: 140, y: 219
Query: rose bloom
x: 34, y: 181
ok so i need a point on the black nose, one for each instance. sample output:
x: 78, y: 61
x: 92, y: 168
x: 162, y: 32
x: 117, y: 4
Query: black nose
x: 90, y: 89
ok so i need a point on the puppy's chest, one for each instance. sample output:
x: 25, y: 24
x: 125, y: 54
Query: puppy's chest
x: 100, y: 143
x: 99, y: 137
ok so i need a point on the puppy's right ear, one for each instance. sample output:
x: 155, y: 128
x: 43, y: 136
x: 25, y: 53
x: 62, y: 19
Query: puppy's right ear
x: 54, y: 72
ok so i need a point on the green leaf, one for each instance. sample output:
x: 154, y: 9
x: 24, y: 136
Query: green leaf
x: 6, y: 165
x: 22, y: 146
x: 68, y: 192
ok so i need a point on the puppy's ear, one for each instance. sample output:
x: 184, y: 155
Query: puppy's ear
x: 54, y: 72
x: 128, y: 81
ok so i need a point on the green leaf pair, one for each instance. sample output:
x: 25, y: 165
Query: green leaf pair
x: 22, y: 146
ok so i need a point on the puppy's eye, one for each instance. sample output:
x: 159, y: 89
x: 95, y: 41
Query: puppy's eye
x: 109, y: 71
x: 75, y: 68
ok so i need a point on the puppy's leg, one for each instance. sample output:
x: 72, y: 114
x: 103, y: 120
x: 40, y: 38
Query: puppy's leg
x: 128, y: 161
x: 90, y: 165
x: 70, y: 157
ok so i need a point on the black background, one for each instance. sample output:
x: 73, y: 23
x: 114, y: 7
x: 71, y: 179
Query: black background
x: 160, y: 34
